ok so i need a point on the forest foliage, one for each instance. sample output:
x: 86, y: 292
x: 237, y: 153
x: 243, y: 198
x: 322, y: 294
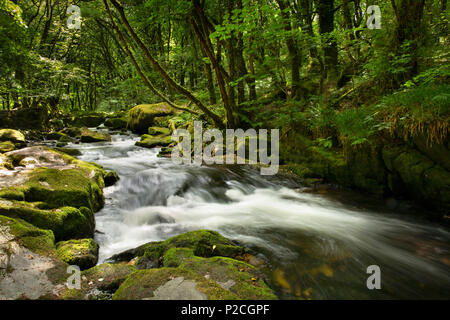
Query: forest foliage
x: 322, y: 65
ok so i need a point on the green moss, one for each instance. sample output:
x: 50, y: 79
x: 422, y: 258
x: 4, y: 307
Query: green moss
x: 72, y: 132
x: 141, y: 284
x: 105, y: 278
x: 55, y: 135
x: 12, y: 193
x: 31, y: 237
x: 149, y: 141
x: 116, y: 123
x: 82, y: 253
x: 66, y: 222
x: 7, y: 146
x: 93, y: 119
x: 204, y: 243
x: 93, y: 136
x: 142, y: 116
x: 158, y: 131
x: 111, y: 178
x: 161, y: 121
x: 69, y: 151
x: 247, y: 281
x: 64, y: 138
x: 63, y: 188
x: 12, y: 135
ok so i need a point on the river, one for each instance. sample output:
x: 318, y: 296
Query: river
x: 317, y: 245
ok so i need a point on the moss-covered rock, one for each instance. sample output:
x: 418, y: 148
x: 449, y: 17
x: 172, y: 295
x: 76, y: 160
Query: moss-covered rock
x: 142, y: 116
x: 204, y: 243
x: 60, y: 193
x: 29, y: 236
x: 6, y: 146
x: 143, y: 284
x: 161, y: 121
x: 69, y: 151
x: 217, y: 278
x: 165, y: 152
x: 116, y: 123
x: 55, y: 135
x: 73, y: 132
x: 12, y: 135
x: 411, y: 172
x: 93, y: 136
x: 65, y: 222
x: 158, y: 131
x: 64, y: 138
x: 241, y: 278
x: 90, y: 120
x: 110, y: 178
x: 148, y: 141
x: 63, y: 188
x: 100, y: 282
x: 82, y: 253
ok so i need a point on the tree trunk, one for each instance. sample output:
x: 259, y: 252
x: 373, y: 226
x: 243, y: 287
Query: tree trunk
x: 294, y: 51
x: 409, y: 15
x: 326, y: 27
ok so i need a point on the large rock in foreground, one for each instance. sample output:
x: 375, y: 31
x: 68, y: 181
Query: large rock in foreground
x: 142, y: 116
x: 194, y: 265
x: 28, y: 268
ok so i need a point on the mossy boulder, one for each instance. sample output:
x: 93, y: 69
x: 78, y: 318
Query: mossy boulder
x: 142, y: 116
x: 93, y: 136
x: 214, y: 278
x: 159, y: 131
x: 204, y: 243
x: 148, y: 141
x: 82, y: 252
x: 29, y: 236
x: 161, y: 121
x: 165, y: 152
x: 12, y: 135
x: 89, y: 120
x: 6, y: 146
x: 73, y: 132
x: 55, y: 135
x: 63, y: 188
x: 110, y: 178
x: 116, y: 123
x: 64, y: 138
x: 142, y: 285
x: 86, y: 135
x: 65, y: 222
x: 411, y: 172
x: 241, y: 278
x: 60, y: 193
x: 69, y: 151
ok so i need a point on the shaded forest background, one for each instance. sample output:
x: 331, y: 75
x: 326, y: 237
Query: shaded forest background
x: 340, y: 87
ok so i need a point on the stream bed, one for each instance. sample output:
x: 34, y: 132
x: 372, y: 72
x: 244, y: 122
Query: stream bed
x: 317, y: 245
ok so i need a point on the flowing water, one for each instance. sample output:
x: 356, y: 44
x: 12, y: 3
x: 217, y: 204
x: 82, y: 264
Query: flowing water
x: 317, y: 246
